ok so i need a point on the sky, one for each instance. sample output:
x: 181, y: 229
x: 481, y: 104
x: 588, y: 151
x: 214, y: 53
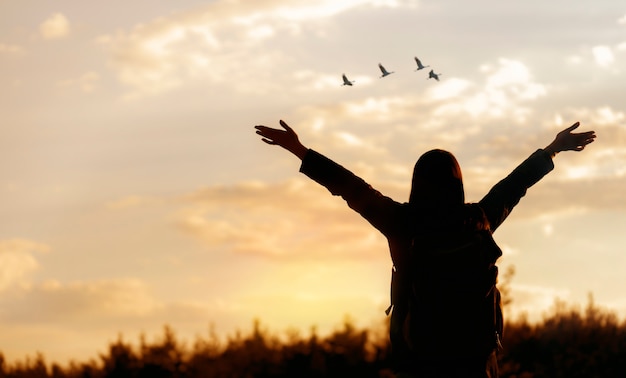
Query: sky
x: 135, y: 193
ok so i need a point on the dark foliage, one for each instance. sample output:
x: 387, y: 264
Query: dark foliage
x: 567, y: 343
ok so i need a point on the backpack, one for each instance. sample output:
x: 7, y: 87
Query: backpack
x: 453, y: 308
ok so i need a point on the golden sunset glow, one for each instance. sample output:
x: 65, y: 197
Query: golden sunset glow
x: 135, y: 192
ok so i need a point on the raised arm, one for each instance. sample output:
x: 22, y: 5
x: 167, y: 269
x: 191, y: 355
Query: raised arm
x: 287, y: 139
x: 379, y: 210
x: 506, y: 194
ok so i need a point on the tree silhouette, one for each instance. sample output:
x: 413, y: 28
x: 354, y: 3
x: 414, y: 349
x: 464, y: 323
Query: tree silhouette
x: 569, y: 342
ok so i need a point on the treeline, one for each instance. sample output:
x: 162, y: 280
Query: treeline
x: 569, y: 342
x: 346, y: 352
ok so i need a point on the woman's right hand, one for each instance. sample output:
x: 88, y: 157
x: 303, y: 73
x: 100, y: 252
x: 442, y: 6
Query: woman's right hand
x: 287, y: 138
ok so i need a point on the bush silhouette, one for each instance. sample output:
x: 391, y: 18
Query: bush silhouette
x: 568, y: 342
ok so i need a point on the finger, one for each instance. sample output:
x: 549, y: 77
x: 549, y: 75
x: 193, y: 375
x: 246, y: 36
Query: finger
x: 573, y: 127
x: 264, y: 135
x: 585, y: 139
x: 586, y: 134
x: 286, y: 126
x: 268, y: 141
x: 590, y: 134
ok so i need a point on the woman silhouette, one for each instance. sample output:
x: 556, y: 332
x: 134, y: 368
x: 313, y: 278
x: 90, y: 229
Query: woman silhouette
x: 436, y: 205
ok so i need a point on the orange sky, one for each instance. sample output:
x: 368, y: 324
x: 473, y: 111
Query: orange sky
x: 136, y: 194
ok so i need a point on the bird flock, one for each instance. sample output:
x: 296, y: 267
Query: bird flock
x: 420, y: 66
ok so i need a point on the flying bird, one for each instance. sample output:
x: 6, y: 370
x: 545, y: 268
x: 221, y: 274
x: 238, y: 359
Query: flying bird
x: 433, y: 75
x: 384, y: 71
x: 420, y: 66
x: 346, y: 81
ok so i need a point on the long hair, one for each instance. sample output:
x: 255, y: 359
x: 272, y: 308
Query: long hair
x: 437, y: 180
x: 437, y: 188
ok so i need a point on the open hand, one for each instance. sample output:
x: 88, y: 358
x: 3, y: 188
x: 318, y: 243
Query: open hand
x: 566, y: 140
x: 287, y: 138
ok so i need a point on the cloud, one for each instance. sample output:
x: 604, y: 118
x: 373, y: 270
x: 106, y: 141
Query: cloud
x: 581, y: 181
x: 280, y: 221
x: 351, y: 141
x: 133, y: 201
x: 99, y: 303
x: 87, y: 82
x: 73, y: 301
x: 307, y: 80
x: 412, y: 124
x: 88, y: 314
x: 382, y: 109
x: 606, y: 157
x: 17, y: 261
x: 605, y: 115
x: 54, y: 27
x: 507, y: 85
x: 289, y: 220
x: 10, y: 49
x: 449, y: 89
x: 222, y: 43
x: 603, y: 55
x: 507, y: 88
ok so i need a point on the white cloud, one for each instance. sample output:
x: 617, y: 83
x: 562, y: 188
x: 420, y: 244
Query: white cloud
x: 507, y: 85
x: 261, y: 32
x: 328, y: 8
x: 515, y: 77
x: 574, y: 59
x: 603, y: 55
x: 54, y: 27
x: 343, y: 140
x: 605, y: 115
x: 349, y: 139
x: 449, y: 89
x: 382, y: 108
x: 308, y: 80
x: 223, y: 42
x: 17, y: 261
